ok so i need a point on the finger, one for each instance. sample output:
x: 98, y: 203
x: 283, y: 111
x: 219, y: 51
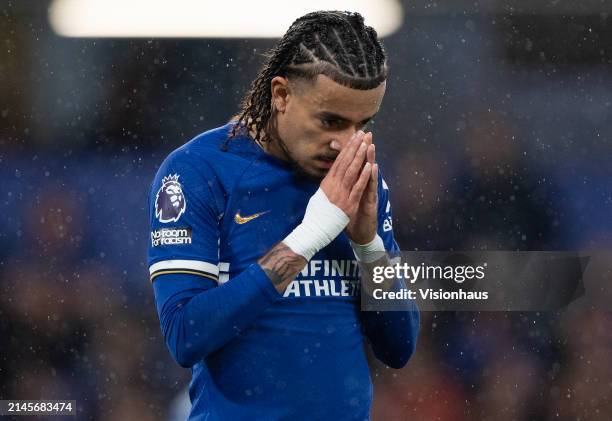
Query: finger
x: 357, y: 134
x: 354, y: 136
x: 375, y: 176
x: 371, y: 154
x: 339, y: 159
x: 373, y: 184
x: 352, y: 172
x: 362, y: 182
x: 346, y: 155
x: 345, y: 150
x: 367, y: 138
x: 335, y: 145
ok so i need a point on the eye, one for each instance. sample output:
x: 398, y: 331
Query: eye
x: 365, y: 126
x: 329, y: 122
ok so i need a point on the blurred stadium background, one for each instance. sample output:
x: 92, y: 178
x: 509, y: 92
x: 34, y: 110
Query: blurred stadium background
x: 495, y: 134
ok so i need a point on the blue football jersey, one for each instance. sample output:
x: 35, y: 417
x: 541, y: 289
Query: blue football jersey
x: 255, y: 353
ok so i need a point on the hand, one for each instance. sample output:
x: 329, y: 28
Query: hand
x: 348, y: 177
x: 362, y: 227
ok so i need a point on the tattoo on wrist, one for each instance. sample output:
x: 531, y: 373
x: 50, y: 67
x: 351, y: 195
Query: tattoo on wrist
x: 281, y: 264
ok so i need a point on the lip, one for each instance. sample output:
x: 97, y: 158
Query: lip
x: 325, y: 163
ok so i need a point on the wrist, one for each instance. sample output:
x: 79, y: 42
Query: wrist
x: 322, y: 222
x: 369, y: 252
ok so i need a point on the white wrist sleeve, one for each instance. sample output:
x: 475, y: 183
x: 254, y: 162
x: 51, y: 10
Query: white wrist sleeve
x: 370, y: 252
x: 322, y: 222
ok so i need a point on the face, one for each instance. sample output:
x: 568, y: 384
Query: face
x: 312, y: 115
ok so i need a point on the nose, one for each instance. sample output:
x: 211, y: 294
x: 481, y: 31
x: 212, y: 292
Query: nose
x: 342, y: 138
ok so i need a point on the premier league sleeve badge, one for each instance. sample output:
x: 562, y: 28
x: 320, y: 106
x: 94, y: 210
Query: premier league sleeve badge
x: 170, y: 201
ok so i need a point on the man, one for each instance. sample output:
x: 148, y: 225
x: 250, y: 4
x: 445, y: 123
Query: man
x: 257, y: 230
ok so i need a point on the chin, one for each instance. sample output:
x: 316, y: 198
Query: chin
x: 311, y: 173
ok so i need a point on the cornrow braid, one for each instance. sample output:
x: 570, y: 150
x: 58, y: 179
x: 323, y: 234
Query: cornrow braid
x: 333, y: 43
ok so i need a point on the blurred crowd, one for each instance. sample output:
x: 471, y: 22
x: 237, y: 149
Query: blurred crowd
x: 469, y: 168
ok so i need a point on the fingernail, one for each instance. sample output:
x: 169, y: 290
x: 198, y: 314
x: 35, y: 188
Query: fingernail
x: 363, y: 145
x: 334, y: 145
x: 367, y: 166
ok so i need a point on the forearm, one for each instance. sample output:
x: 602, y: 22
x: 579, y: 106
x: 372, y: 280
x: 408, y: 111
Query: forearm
x: 197, y: 322
x: 393, y: 334
x: 281, y: 265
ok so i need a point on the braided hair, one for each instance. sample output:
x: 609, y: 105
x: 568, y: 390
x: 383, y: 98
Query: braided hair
x: 333, y: 43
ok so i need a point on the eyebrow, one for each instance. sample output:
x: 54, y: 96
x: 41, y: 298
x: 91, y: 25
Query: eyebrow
x: 333, y: 116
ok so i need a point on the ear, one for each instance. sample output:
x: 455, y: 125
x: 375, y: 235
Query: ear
x: 281, y: 92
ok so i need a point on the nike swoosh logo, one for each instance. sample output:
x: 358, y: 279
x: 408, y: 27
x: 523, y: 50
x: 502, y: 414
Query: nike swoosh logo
x: 244, y: 219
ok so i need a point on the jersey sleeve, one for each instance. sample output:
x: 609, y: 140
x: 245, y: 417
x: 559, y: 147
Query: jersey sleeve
x: 184, y: 214
x: 392, y: 334
x: 385, y: 218
x: 197, y: 315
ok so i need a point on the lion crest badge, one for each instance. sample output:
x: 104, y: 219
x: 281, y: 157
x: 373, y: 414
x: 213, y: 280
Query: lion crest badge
x: 170, y: 201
